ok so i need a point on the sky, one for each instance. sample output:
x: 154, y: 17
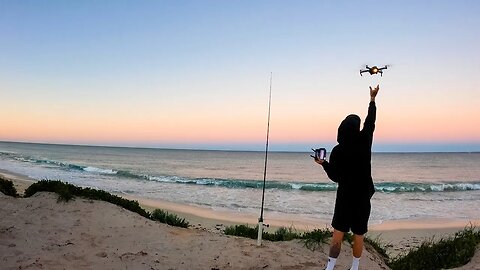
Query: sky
x: 196, y: 74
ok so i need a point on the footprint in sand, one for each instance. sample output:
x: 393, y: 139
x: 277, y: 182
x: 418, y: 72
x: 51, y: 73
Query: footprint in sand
x: 102, y: 254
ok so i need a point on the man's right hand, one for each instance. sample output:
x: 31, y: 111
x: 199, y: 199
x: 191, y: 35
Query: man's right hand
x: 374, y: 92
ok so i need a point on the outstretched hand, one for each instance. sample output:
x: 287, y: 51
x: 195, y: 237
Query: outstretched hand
x: 374, y: 92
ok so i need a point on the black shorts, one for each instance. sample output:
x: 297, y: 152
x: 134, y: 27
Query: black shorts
x: 351, y: 216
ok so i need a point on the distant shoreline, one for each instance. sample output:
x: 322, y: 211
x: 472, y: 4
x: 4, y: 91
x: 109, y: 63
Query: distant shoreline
x: 240, y: 150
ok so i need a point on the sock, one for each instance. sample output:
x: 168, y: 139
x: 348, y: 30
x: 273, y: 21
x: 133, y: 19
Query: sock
x: 331, y: 263
x: 355, y: 263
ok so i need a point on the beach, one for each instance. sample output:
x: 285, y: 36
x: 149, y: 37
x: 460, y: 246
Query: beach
x: 161, y: 134
x: 409, y: 186
x: 40, y: 233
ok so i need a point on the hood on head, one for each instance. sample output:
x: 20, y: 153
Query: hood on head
x: 349, y: 130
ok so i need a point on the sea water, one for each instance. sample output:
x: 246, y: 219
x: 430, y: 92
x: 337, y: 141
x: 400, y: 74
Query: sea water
x: 408, y: 185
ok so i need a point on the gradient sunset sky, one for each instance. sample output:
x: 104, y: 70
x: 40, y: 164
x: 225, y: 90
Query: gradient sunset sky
x: 195, y: 74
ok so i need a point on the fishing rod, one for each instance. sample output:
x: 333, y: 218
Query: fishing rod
x: 260, y: 220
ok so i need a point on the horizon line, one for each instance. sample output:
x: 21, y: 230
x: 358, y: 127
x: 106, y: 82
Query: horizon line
x: 295, y: 149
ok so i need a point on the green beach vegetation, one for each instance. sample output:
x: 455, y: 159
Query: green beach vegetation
x: 7, y: 187
x: 281, y: 234
x: 445, y: 253
x: 168, y: 218
x: 312, y: 239
x: 68, y: 191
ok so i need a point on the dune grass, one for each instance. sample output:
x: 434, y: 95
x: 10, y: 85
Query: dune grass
x: 316, y: 238
x: 446, y: 253
x: 7, y: 187
x: 281, y: 234
x: 312, y: 239
x: 168, y: 218
x: 68, y: 191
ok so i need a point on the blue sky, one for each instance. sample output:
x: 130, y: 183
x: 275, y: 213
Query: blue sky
x: 195, y: 73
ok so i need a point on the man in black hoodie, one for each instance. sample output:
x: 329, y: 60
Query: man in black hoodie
x: 350, y: 167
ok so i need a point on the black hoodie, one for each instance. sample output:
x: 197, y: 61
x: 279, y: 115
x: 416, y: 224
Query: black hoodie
x: 350, y: 160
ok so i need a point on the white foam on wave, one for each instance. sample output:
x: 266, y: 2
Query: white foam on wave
x: 468, y: 186
x: 440, y: 187
x: 22, y: 159
x: 455, y: 187
x: 204, y: 182
x: 98, y: 170
x: 296, y: 186
x: 163, y: 179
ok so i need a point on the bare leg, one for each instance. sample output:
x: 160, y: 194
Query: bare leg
x: 357, y: 245
x: 336, y: 244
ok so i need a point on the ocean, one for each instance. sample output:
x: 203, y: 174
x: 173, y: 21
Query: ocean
x: 408, y: 185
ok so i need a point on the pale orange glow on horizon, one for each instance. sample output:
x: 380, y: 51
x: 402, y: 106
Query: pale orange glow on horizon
x: 114, y: 124
x: 221, y: 129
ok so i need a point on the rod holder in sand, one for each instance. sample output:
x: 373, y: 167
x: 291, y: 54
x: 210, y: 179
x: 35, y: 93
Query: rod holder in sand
x: 260, y: 233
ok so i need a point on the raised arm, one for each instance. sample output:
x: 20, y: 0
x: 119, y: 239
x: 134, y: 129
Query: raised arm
x: 369, y: 125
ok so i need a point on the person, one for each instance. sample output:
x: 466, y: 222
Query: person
x: 350, y: 166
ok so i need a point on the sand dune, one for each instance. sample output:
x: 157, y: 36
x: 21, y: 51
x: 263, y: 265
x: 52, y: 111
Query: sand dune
x: 39, y: 233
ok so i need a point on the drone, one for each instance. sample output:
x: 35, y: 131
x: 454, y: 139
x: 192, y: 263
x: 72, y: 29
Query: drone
x: 373, y: 70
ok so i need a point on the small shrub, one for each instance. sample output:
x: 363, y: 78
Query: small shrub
x: 170, y: 219
x: 64, y: 193
x: 7, y: 187
x: 314, y: 239
x: 242, y: 230
x: 282, y: 234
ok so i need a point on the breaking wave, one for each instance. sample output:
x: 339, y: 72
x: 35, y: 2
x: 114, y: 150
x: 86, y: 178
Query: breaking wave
x: 385, y: 187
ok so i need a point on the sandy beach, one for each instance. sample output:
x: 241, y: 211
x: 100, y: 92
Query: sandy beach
x: 40, y: 233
